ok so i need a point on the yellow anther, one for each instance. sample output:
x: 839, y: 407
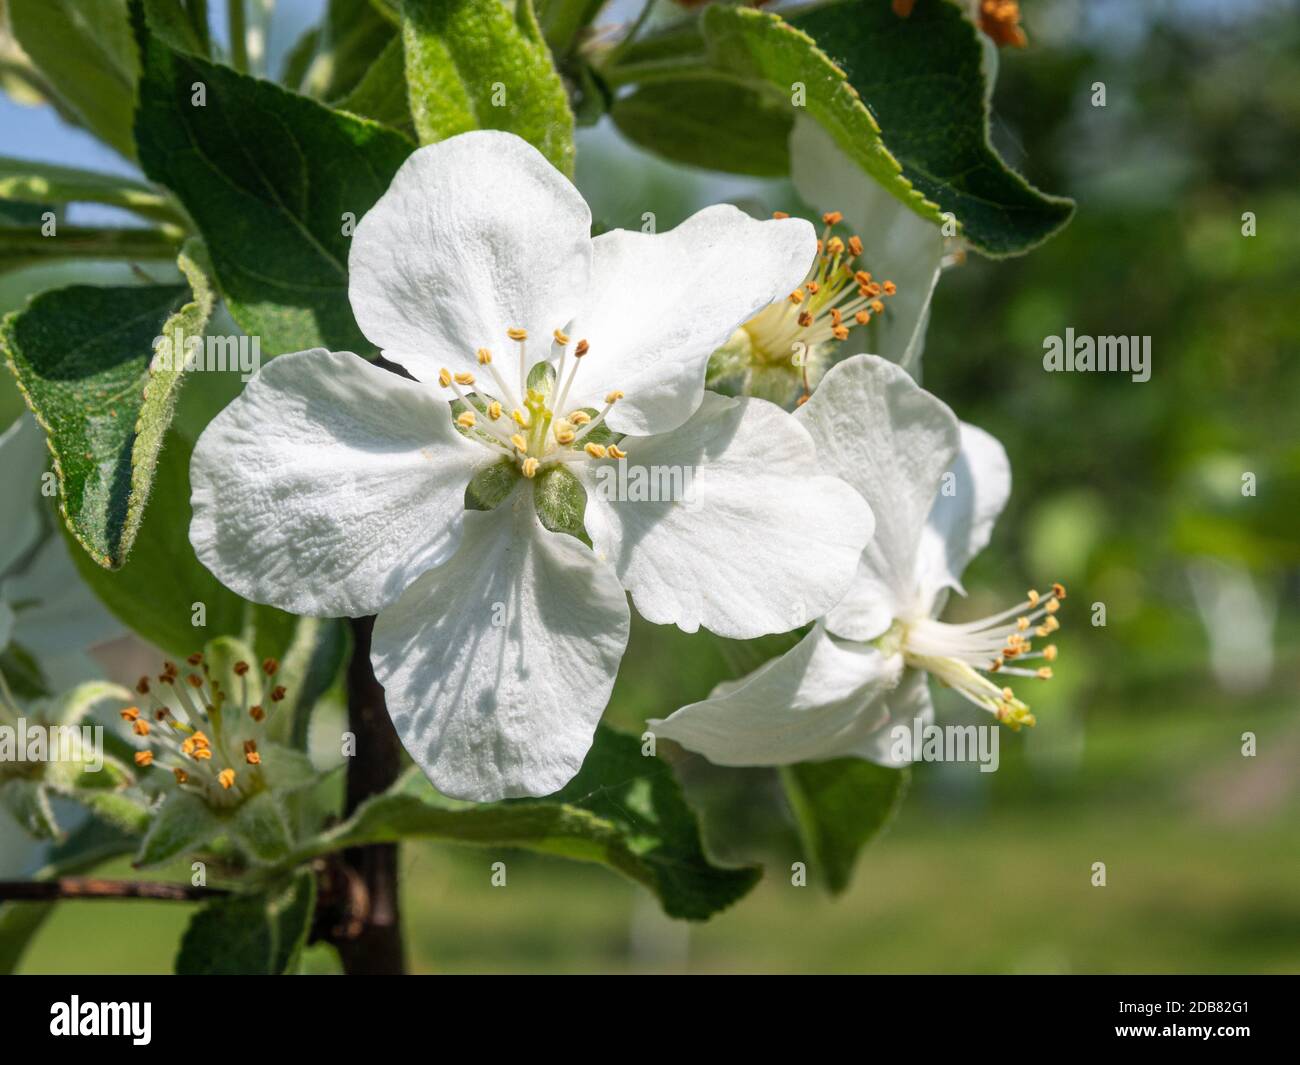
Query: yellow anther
x: 1058, y: 590
x: 561, y: 337
x: 530, y: 467
x: 253, y: 758
x: 581, y: 350
x: 613, y: 397
x: 444, y: 377
x: 813, y: 288
x: 1052, y: 606
x: 1049, y: 652
x: 996, y: 664
x: 484, y: 356
x: 796, y: 296
x: 615, y: 452
x: 141, y: 727
x: 494, y: 410
x: 855, y: 246
x: 1008, y: 694
x: 519, y: 441
x: 862, y: 317
x: 1022, y: 623
x: 596, y: 451
x: 890, y: 288
x: 877, y: 307
x: 1050, y: 623
x: 564, y: 433
x: 463, y: 378
x: 832, y: 218
x: 840, y: 332
x: 517, y: 333
x: 201, y: 740
x: 144, y: 759
x: 1032, y: 596
x: 226, y: 778
x: 181, y: 776
x: 780, y: 214
x: 1045, y: 673
x: 466, y: 420
x: 131, y: 713
x: 863, y: 278
x: 579, y: 417
x: 520, y: 418
x: 835, y: 246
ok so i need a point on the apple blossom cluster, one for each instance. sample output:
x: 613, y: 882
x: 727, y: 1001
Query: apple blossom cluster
x: 459, y: 502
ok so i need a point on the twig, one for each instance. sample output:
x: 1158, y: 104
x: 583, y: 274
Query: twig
x: 89, y: 887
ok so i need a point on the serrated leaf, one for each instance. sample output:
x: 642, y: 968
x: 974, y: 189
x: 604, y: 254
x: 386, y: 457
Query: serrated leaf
x: 260, y: 830
x: 706, y: 123
x: 84, y: 358
x: 762, y: 49
x: 622, y: 810
x: 561, y: 502
x: 925, y: 81
x: 271, y: 179
x: 475, y: 65
x: 250, y: 935
x: 840, y: 806
x: 83, y: 48
x: 182, y: 825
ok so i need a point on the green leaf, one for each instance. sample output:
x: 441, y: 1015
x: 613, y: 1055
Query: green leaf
x: 260, y: 830
x: 183, y: 824
x: 250, y: 935
x: 924, y: 79
x: 475, y: 65
x: 84, y: 358
x: 272, y: 180
x: 762, y: 50
x: 45, y: 183
x: 87, y: 846
x: 28, y: 803
x: 381, y: 93
x: 840, y: 806
x: 708, y: 123
x: 84, y: 50
x: 331, y: 60
x: 163, y: 591
x: 622, y: 810
x: 561, y: 502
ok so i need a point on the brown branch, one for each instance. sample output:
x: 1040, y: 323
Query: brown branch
x: 372, y: 942
x: 89, y: 887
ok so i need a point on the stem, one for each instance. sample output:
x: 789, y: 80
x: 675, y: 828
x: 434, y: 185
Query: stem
x: 88, y: 887
x: 237, y: 20
x: 633, y: 30
x: 376, y: 948
x: 693, y: 67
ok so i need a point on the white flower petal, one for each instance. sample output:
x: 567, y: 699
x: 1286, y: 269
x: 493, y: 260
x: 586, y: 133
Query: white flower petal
x: 22, y: 459
x: 477, y: 234
x: 661, y: 304
x: 763, y: 543
x: 898, y: 244
x: 960, y: 524
x: 907, y: 703
x: 892, y: 441
x: 817, y: 701
x: 328, y: 485
x: 497, y: 665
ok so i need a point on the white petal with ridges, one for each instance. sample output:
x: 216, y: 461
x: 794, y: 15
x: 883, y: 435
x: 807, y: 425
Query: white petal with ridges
x: 818, y: 700
x: 661, y: 304
x: 476, y: 234
x: 906, y: 704
x: 892, y: 441
x: 497, y: 665
x: 328, y: 485
x: 960, y: 524
x: 763, y: 542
